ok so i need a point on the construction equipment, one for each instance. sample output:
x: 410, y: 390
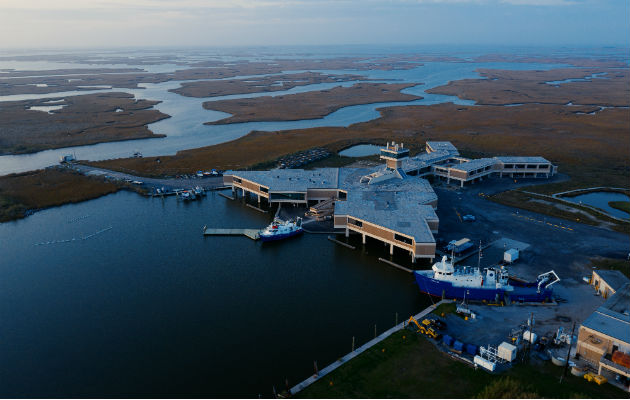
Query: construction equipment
x: 421, y: 328
x: 592, y: 377
x: 434, y: 323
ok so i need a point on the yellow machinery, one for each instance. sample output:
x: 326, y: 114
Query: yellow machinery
x: 591, y: 377
x: 425, y: 330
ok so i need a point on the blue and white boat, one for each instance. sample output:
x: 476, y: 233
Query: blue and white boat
x: 490, y: 284
x: 279, y: 229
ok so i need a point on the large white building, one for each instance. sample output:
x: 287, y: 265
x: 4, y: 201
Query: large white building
x: 391, y: 203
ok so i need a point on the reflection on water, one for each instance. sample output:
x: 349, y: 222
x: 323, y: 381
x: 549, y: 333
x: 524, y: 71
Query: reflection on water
x: 152, y: 307
x: 185, y: 129
x: 601, y: 200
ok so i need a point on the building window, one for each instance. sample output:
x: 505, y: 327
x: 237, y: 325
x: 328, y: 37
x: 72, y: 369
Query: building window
x: 288, y: 196
x: 263, y: 189
x: 237, y: 180
x: 532, y: 166
x: 403, y: 239
x: 342, y: 195
x: 355, y: 222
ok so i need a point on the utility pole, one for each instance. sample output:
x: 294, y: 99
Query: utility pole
x: 566, y: 364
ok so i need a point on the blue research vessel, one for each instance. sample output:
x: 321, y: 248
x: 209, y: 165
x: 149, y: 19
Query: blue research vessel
x: 490, y: 284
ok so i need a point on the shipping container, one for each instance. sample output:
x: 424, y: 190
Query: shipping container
x: 621, y: 358
x: 448, y: 340
x: 471, y: 349
x: 506, y: 351
x: 459, y: 346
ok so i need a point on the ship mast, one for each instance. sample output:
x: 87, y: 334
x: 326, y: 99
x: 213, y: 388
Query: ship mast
x: 479, y: 257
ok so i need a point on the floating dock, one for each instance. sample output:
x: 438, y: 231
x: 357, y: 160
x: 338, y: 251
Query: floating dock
x: 250, y: 233
x: 393, y: 264
x: 226, y: 196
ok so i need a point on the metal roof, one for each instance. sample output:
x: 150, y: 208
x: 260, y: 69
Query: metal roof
x: 512, y: 159
x: 292, y: 180
x: 614, y: 279
x: 474, y: 164
x: 445, y: 146
x: 402, y: 212
x: 613, y: 317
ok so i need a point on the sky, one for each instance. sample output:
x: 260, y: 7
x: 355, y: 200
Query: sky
x: 28, y: 24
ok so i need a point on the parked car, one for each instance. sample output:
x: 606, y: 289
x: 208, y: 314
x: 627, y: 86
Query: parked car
x: 469, y: 217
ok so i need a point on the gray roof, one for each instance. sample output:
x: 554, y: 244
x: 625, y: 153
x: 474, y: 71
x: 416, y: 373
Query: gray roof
x: 614, y: 279
x: 445, y: 146
x: 613, y: 317
x: 425, y: 159
x: 292, y: 180
x: 402, y: 212
x: 512, y: 159
x: 474, y: 164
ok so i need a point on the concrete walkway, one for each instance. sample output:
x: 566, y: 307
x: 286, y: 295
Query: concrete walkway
x: 325, y: 371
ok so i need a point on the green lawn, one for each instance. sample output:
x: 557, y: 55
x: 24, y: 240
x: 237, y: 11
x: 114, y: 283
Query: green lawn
x: 613, y: 263
x: 406, y: 366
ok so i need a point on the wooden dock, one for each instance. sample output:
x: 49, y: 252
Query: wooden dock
x: 250, y: 233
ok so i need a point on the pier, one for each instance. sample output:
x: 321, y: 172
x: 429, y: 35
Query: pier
x: 325, y: 371
x: 393, y: 264
x: 250, y: 233
x: 226, y: 196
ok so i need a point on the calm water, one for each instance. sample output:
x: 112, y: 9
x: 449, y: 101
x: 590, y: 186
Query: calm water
x: 152, y: 307
x: 361, y: 150
x: 185, y: 129
x: 600, y: 200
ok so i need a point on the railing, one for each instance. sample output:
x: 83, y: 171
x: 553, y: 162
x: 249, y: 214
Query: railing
x: 604, y: 360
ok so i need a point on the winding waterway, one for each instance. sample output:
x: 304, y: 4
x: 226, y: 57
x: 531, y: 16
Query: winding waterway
x: 122, y: 295
x: 185, y: 129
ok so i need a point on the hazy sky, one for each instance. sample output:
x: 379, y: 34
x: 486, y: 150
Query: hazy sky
x: 114, y: 23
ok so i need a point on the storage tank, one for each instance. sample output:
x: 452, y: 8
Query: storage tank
x: 530, y: 336
x: 506, y: 351
x: 447, y: 340
x: 459, y: 346
x: 510, y: 256
x: 487, y: 364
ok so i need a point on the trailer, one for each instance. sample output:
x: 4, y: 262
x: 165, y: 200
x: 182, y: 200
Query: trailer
x: 459, y: 246
x: 510, y: 256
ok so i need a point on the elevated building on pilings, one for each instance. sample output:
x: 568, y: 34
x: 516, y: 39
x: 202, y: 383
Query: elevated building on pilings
x: 393, y: 203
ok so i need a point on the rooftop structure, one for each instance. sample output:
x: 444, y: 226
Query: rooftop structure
x: 441, y: 146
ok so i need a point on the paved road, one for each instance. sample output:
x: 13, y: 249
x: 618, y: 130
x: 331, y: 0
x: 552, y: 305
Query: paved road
x: 555, y: 243
x: 149, y: 183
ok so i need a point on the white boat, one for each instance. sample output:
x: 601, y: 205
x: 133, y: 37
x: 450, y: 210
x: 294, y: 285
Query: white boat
x: 279, y: 229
